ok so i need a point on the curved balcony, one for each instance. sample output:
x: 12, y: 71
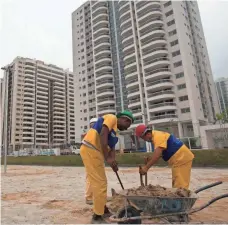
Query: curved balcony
x: 158, y: 73
x: 99, y: 18
x: 103, y: 62
x: 137, y: 112
x: 157, y: 32
x: 122, y: 4
x: 142, y: 5
x: 124, y: 9
x: 102, y: 25
x: 148, y: 28
x: 104, y: 83
x: 105, y: 92
x: 153, y: 43
x: 127, y: 44
x: 160, y: 95
x: 102, y: 48
x: 163, y: 118
x: 104, y: 76
x: 131, y: 75
x: 101, y: 40
x: 128, y: 52
x: 132, y: 83
x: 165, y: 106
x: 95, y: 33
x: 124, y: 18
x: 149, y: 12
x: 102, y: 55
x: 100, y: 33
x: 159, y: 85
x: 132, y: 103
x: 106, y: 110
x: 104, y: 68
x: 125, y: 25
x: 130, y: 70
x: 98, y: 12
x: 98, y: 5
x: 127, y: 33
x: 105, y: 44
x: 106, y: 101
x: 156, y: 63
x: 133, y: 93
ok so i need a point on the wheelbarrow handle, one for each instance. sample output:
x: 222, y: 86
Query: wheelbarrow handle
x: 208, y: 186
x: 207, y: 204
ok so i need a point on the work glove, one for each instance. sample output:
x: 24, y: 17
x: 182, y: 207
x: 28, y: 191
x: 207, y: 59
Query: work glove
x: 143, y: 170
x: 112, y: 163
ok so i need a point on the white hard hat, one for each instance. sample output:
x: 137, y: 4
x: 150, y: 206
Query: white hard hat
x: 93, y: 120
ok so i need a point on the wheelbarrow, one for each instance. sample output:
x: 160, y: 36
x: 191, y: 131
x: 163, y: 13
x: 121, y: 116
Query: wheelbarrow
x: 137, y: 208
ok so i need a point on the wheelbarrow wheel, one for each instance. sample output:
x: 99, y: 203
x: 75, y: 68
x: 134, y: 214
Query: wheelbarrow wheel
x: 131, y: 212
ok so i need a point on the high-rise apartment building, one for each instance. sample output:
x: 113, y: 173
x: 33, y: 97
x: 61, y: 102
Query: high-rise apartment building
x: 147, y: 56
x: 222, y: 92
x: 40, y: 105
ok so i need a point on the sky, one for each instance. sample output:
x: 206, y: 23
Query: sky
x: 41, y: 29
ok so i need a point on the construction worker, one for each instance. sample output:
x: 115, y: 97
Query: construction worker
x: 88, y: 192
x: 95, y: 150
x: 170, y: 149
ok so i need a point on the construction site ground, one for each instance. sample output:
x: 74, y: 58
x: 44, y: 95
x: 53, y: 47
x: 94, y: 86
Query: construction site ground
x: 55, y: 195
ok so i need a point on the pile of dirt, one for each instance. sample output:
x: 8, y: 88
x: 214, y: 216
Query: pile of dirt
x: 117, y: 202
x: 158, y: 191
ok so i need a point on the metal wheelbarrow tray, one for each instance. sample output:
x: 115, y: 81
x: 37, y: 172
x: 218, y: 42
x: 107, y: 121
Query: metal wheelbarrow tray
x: 150, y: 207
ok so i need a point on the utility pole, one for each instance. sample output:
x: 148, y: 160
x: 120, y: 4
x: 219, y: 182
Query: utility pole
x: 5, y: 122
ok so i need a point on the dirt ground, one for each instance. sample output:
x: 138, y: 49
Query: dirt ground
x: 55, y: 195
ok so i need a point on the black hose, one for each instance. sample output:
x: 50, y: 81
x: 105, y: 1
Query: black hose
x: 208, y: 203
x: 208, y: 186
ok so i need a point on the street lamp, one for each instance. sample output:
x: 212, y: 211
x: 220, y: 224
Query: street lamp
x: 6, y: 118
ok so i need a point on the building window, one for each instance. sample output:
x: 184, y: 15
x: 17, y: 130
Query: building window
x: 173, y: 43
x: 185, y: 110
x: 183, y: 98
x: 176, y: 53
x: 167, y: 4
x: 171, y: 23
x: 181, y: 86
x: 173, y: 32
x: 169, y: 13
x: 177, y: 64
x: 179, y: 75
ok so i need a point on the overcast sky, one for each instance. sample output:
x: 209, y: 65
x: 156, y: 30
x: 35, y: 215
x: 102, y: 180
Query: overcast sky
x: 41, y: 29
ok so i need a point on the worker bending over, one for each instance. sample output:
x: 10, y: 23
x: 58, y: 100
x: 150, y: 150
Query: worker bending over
x: 171, y: 150
x: 88, y: 191
x: 95, y: 150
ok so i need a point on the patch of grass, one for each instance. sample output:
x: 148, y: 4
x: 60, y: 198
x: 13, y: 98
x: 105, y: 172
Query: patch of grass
x: 203, y: 158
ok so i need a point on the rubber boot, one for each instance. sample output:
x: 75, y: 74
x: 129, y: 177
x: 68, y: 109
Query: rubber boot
x: 96, y: 219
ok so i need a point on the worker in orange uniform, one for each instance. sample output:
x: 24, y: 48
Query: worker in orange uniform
x: 171, y: 150
x: 88, y: 192
x: 95, y: 150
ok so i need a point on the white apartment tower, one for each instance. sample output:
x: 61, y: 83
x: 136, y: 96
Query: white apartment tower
x: 222, y: 92
x: 147, y: 56
x: 40, y: 105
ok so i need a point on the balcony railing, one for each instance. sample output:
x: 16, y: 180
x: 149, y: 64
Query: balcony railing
x: 148, y: 62
x: 157, y: 71
x: 162, y: 104
x: 159, y: 93
x: 133, y: 91
x: 158, y: 82
x: 149, y: 50
x: 166, y: 116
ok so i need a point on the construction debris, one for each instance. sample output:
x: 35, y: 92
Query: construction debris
x: 158, y: 191
x: 118, y: 201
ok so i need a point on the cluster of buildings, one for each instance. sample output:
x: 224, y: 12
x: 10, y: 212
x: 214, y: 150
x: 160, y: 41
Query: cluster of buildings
x: 146, y: 56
